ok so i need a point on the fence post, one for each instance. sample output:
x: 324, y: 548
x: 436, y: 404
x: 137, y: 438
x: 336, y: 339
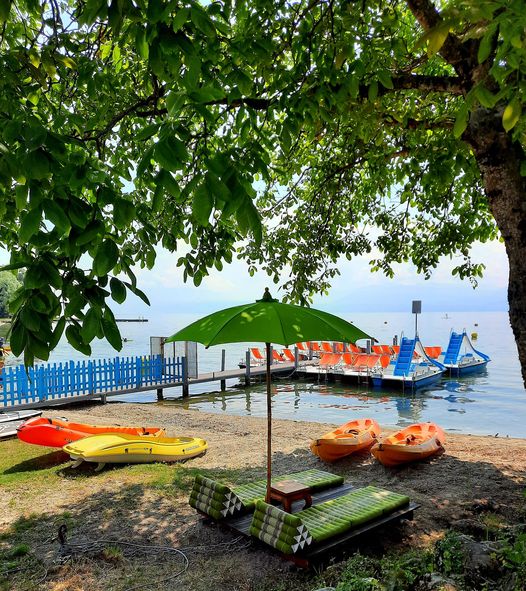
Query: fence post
x: 223, y: 362
x: 186, y: 388
x: 138, y: 369
x: 247, y: 368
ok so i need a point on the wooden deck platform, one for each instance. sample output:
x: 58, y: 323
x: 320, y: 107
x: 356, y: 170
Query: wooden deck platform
x: 241, y: 524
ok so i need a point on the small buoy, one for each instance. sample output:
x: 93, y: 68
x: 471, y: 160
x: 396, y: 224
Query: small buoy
x: 474, y: 336
x: 476, y: 324
x: 385, y: 321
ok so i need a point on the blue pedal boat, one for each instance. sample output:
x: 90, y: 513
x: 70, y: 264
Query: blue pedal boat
x: 409, y: 371
x: 460, y: 357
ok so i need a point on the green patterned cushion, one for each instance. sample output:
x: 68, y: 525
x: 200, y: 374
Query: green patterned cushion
x: 290, y: 533
x: 219, y: 501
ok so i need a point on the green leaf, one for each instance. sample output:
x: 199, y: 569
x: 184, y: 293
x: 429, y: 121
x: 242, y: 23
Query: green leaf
x: 147, y: 132
x: 30, y: 319
x: 5, y: 8
x: 30, y: 224
x: 385, y: 79
x: 461, y: 122
x: 123, y: 213
x: 174, y: 102
x: 118, y: 290
x: 93, y: 230
x: 53, y: 275
x: 75, y: 339
x: 436, y: 38
x: 485, y: 45
x: 372, y: 91
x: 14, y: 266
x: 171, y: 153
x: 202, y: 22
x: 145, y: 161
x: 511, y: 114
x: 21, y: 192
x: 202, y: 205
x: 111, y: 331
x: 106, y: 258
x: 486, y: 97
x: 38, y: 348
x: 169, y: 183
x: 56, y: 215
x: 36, y: 165
x: 135, y: 290
x: 18, y: 338
x: 180, y: 18
x: 207, y: 94
x: 91, y: 325
x: 57, y: 333
x: 115, y: 15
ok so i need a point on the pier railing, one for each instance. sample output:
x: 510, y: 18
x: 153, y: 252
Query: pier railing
x: 72, y: 379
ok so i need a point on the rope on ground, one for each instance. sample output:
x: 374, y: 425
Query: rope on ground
x: 70, y: 549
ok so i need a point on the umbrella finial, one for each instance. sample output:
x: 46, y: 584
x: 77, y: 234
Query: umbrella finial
x: 267, y: 297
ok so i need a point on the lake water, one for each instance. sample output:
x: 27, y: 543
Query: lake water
x: 488, y: 403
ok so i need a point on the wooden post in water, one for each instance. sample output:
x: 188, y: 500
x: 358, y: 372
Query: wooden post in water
x: 223, y: 362
x: 247, y: 368
x: 296, y: 357
x: 186, y: 387
x: 160, y: 395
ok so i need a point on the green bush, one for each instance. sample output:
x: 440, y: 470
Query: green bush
x: 360, y: 575
x: 449, y: 558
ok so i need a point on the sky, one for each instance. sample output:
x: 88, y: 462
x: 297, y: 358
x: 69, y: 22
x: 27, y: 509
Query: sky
x: 355, y: 290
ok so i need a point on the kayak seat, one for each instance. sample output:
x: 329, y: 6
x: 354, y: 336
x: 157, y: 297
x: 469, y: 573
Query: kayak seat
x: 291, y: 532
x: 219, y: 501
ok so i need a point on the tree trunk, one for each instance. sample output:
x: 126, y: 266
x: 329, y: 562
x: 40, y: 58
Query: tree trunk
x: 499, y: 160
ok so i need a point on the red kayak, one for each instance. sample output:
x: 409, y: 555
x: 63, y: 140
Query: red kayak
x: 60, y: 432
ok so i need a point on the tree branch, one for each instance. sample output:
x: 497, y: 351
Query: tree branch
x: 456, y: 53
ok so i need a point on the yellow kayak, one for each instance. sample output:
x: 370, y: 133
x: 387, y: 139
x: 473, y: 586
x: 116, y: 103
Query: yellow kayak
x: 120, y: 448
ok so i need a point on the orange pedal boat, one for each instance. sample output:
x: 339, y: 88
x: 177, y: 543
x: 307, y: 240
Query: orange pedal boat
x: 346, y: 440
x: 60, y: 432
x: 416, y: 442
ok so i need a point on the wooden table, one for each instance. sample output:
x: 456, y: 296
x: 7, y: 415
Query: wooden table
x: 288, y: 491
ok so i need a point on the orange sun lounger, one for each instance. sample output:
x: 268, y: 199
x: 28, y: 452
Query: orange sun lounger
x: 256, y: 354
x: 289, y: 355
x: 330, y: 359
x: 314, y: 346
x: 327, y: 347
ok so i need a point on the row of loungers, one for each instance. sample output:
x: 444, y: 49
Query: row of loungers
x: 306, y: 531
x: 347, y: 353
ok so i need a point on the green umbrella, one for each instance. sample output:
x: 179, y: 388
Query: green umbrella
x: 269, y: 321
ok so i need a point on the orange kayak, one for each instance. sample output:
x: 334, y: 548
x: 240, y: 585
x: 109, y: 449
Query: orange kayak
x: 346, y: 439
x: 60, y: 432
x: 413, y: 443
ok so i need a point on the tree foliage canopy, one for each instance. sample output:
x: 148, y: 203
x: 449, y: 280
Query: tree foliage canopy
x: 8, y: 286
x: 136, y: 123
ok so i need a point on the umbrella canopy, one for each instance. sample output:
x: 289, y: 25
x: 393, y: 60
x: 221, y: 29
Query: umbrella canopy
x: 269, y: 321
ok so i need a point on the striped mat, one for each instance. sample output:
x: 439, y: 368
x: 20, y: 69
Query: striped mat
x: 290, y: 533
x: 219, y: 501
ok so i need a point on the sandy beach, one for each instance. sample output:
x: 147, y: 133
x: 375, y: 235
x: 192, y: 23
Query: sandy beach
x: 476, y: 475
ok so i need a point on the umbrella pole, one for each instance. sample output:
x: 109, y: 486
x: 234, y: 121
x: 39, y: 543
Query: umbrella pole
x: 269, y: 427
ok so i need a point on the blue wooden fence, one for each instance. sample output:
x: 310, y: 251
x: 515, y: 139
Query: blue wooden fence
x: 67, y: 380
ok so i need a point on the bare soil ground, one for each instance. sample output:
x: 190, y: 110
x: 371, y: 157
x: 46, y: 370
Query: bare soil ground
x: 148, y: 504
